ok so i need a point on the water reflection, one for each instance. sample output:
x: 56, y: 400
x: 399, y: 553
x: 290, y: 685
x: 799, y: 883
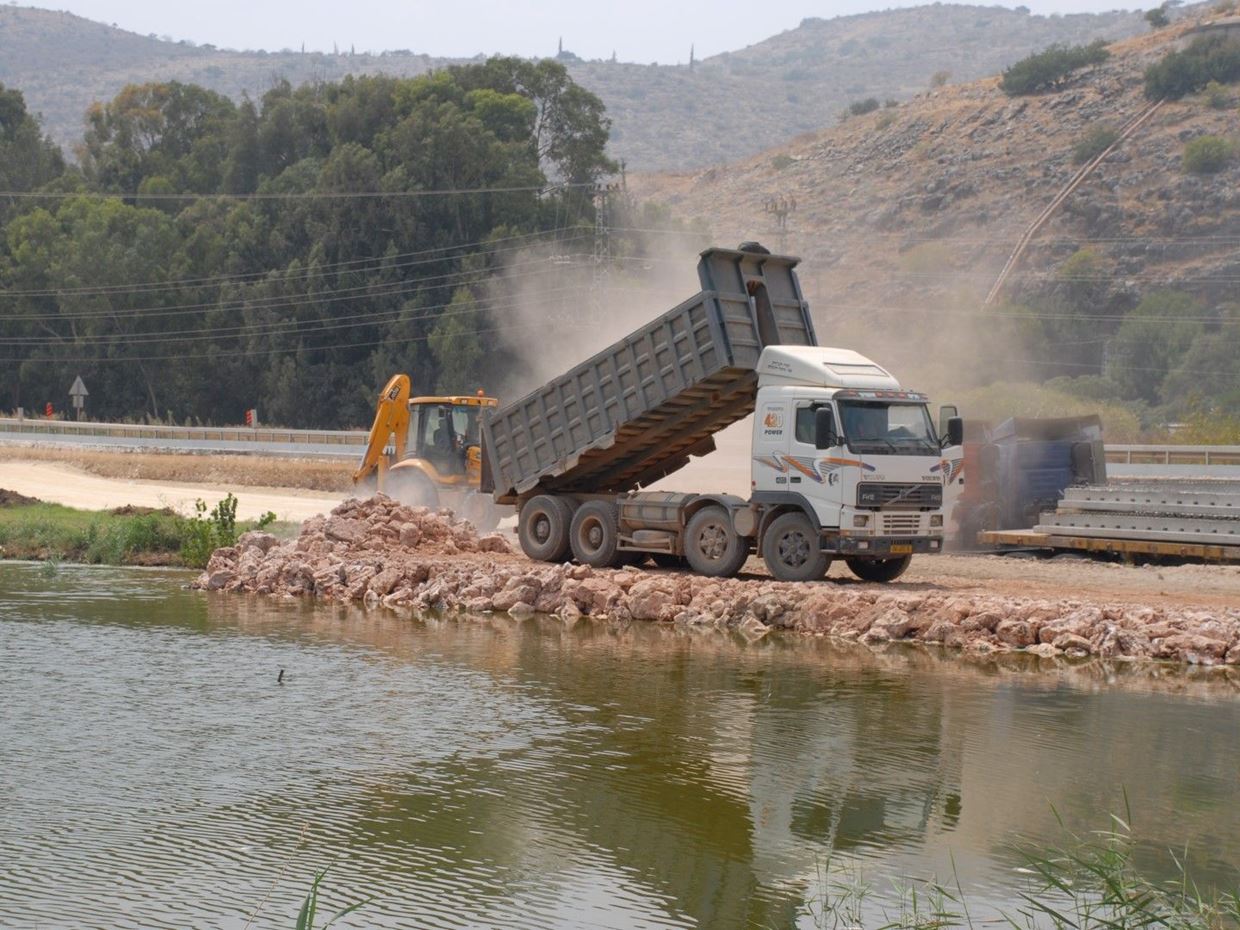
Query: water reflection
x: 494, y: 773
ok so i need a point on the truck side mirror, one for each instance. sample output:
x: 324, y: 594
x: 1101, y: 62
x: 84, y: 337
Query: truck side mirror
x: 824, y: 428
x: 955, y: 431
x: 946, y: 412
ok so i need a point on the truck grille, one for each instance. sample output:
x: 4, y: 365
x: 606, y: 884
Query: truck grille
x: 901, y: 524
x: 876, y: 495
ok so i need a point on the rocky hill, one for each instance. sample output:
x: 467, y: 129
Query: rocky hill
x: 905, y: 216
x: 665, y: 117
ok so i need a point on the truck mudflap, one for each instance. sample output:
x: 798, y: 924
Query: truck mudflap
x: 882, y: 547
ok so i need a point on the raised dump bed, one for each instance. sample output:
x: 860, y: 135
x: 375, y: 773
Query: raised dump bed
x: 636, y: 411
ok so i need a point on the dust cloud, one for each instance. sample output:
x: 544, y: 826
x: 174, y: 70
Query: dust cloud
x: 566, y: 313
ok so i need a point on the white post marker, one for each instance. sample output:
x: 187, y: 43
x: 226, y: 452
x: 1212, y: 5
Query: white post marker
x: 78, y: 395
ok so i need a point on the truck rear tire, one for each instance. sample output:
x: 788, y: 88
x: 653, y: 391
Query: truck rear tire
x: 594, y: 534
x: 879, y: 570
x: 792, y: 549
x: 543, y: 528
x: 712, y: 546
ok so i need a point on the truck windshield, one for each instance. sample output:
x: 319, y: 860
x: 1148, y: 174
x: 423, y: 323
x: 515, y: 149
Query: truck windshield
x: 884, y: 428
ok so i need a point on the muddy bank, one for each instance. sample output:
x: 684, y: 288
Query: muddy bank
x: 380, y: 553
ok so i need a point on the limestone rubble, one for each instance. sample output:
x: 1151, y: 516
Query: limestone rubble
x: 382, y: 553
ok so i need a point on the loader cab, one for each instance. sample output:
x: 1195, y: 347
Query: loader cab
x: 444, y: 430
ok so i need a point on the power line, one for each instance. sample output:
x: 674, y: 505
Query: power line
x: 278, y: 351
x: 381, y: 263
x: 306, y: 195
x: 278, y: 328
x: 274, y: 302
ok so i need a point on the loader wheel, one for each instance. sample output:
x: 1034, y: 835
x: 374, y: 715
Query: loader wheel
x: 543, y: 528
x: 411, y: 487
x: 792, y: 550
x: 595, y: 534
x: 712, y: 546
x: 481, y: 511
x: 880, y: 570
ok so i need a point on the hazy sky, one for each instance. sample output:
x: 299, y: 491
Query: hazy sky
x: 637, y: 30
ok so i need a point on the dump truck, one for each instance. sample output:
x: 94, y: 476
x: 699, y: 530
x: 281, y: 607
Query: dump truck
x: 425, y: 451
x: 845, y: 462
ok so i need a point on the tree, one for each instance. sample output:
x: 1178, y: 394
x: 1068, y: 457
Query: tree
x: 28, y: 159
x: 1048, y: 69
x: 1208, y: 58
x: 1157, y: 17
x: 1151, y: 341
x: 172, y: 130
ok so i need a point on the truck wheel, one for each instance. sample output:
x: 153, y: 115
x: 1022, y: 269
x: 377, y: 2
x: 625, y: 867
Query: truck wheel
x: 543, y: 528
x: 880, y: 570
x: 712, y: 546
x: 411, y: 487
x: 595, y: 534
x: 792, y: 550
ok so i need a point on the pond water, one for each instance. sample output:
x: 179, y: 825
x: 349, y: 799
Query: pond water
x: 492, y: 773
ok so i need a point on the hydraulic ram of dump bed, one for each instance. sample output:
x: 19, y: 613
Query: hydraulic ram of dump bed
x: 636, y: 411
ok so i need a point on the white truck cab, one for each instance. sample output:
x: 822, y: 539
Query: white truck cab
x: 837, y: 436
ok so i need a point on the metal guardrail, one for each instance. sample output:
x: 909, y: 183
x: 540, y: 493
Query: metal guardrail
x: 1130, y: 454
x: 185, y: 433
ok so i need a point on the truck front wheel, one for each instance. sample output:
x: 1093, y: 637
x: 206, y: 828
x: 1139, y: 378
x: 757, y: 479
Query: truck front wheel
x: 712, y: 546
x: 543, y: 528
x: 880, y: 570
x: 792, y: 550
x: 595, y: 534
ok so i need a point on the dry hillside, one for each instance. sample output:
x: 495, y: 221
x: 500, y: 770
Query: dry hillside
x: 904, y: 217
x: 723, y: 107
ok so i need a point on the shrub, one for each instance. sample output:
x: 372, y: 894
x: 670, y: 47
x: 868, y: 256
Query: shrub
x: 1209, y: 58
x: 1217, y: 96
x: 862, y: 107
x: 1047, y: 69
x: 1157, y: 17
x: 885, y: 121
x: 781, y: 161
x: 939, y: 78
x: 1207, y: 155
x: 205, y: 532
x: 1095, y: 142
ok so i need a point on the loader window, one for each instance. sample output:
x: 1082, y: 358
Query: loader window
x: 444, y: 433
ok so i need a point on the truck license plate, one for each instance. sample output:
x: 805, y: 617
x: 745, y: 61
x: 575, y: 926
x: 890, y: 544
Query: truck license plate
x: 901, y: 549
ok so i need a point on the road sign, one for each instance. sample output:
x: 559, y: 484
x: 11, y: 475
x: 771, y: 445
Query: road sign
x: 78, y: 392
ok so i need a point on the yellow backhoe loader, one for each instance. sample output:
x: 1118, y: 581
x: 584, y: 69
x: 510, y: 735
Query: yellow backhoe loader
x: 426, y: 451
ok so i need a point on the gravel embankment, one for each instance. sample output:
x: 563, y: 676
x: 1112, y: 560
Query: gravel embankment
x: 384, y: 554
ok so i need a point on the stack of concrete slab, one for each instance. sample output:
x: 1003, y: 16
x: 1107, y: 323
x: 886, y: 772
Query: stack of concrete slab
x: 1187, y: 519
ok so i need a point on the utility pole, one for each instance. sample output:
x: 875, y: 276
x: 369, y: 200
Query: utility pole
x: 604, y: 209
x: 781, y: 208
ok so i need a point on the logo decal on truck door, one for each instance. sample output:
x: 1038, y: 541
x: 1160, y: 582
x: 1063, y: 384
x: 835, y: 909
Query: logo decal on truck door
x: 773, y: 420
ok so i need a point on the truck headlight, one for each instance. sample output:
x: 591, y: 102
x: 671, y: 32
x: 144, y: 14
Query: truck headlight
x: 936, y: 519
x: 861, y: 519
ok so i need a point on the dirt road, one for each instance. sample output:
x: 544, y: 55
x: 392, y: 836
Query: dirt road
x: 64, y: 484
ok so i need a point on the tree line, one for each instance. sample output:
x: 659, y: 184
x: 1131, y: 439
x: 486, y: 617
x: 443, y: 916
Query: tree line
x: 203, y: 257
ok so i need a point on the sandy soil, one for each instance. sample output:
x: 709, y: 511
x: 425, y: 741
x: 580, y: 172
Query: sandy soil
x: 73, y: 487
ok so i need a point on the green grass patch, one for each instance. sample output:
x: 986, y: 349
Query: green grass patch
x: 128, y: 536
x: 50, y: 531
